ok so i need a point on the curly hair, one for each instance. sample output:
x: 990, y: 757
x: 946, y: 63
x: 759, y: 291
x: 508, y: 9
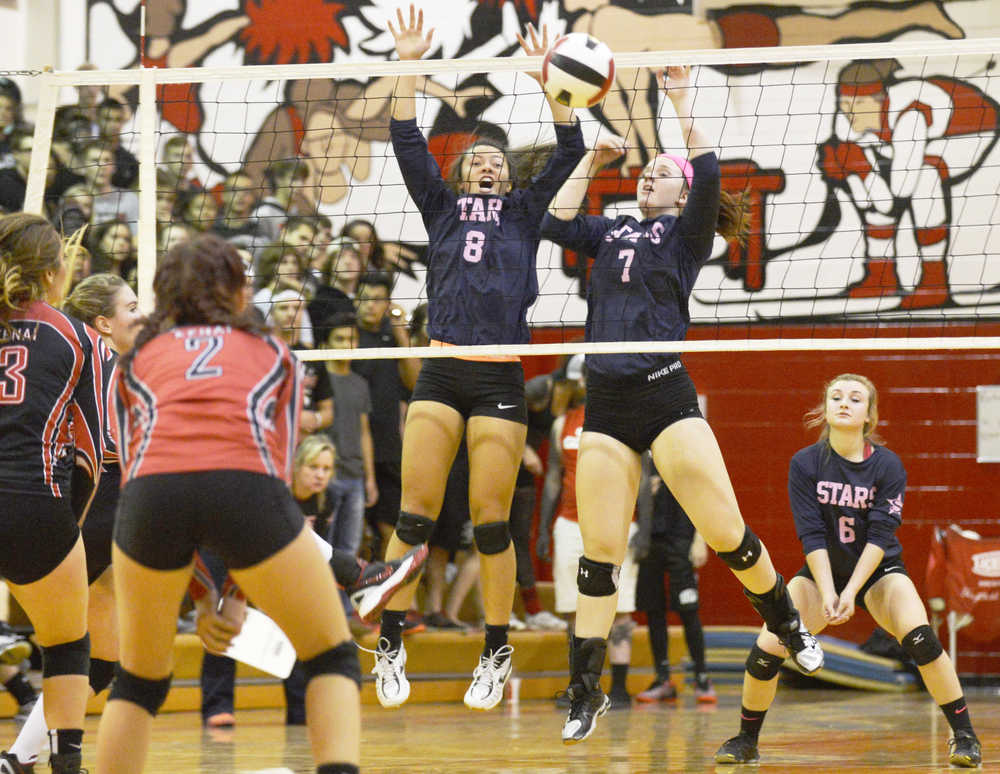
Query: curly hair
x: 199, y: 282
x: 29, y: 247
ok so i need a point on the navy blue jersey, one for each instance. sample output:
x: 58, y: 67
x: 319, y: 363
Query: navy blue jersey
x: 51, y: 400
x: 842, y: 506
x: 481, y: 275
x: 643, y: 272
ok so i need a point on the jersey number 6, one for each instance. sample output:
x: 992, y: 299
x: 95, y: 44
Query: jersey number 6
x: 846, y: 529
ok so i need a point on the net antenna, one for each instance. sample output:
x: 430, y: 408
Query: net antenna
x: 755, y: 101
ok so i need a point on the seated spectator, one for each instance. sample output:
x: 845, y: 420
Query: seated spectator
x: 112, y: 249
x: 379, y: 255
x: 235, y: 222
x: 279, y: 268
x: 70, y: 128
x: 166, y: 199
x: 111, y: 117
x: 177, y: 165
x: 89, y: 96
x: 111, y: 203
x: 285, y: 315
x: 11, y: 118
x: 14, y: 178
x: 338, y: 283
x: 198, y: 209
x: 169, y: 235
x: 73, y: 209
x: 273, y: 210
x: 299, y: 233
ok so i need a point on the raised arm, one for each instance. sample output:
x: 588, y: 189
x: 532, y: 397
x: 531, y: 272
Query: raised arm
x: 566, y: 203
x: 411, y: 43
x: 676, y: 83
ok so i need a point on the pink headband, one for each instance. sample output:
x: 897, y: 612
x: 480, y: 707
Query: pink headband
x: 684, y: 164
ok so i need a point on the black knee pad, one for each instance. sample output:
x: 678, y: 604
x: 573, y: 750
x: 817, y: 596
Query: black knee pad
x: 148, y: 694
x: 746, y: 554
x: 763, y: 665
x: 67, y: 658
x: 101, y: 673
x: 413, y: 529
x: 341, y: 660
x: 621, y: 632
x: 597, y: 579
x: 493, y: 537
x: 922, y: 645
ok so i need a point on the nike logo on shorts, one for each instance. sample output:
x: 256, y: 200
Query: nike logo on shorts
x: 504, y: 406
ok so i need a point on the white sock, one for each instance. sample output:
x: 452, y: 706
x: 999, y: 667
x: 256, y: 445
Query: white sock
x: 33, y: 735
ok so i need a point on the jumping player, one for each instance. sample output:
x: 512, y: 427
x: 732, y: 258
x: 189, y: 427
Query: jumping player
x: 50, y: 380
x: 108, y: 305
x: 639, y: 286
x: 207, y: 409
x: 846, y: 493
x: 483, y: 239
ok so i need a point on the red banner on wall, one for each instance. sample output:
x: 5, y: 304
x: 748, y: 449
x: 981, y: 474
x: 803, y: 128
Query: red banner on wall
x: 965, y: 572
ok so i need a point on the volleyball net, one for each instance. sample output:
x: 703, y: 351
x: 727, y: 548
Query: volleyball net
x: 871, y: 171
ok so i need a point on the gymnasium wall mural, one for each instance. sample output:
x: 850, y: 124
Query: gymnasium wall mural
x: 842, y: 229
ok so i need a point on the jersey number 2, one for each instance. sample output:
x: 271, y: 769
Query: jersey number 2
x: 13, y: 361
x: 207, y: 347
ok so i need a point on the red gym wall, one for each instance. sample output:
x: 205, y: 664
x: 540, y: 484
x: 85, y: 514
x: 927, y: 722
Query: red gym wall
x: 927, y: 404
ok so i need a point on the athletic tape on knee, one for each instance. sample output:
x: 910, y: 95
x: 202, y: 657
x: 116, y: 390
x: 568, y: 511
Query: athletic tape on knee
x: 341, y: 660
x: 492, y: 537
x: 597, y: 579
x: 413, y: 529
x: 148, y: 694
x: 922, y: 645
x: 67, y: 658
x: 763, y: 665
x: 101, y: 674
x: 746, y: 554
x: 622, y: 632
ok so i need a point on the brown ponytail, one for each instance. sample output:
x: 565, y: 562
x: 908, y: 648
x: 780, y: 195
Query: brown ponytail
x: 29, y: 246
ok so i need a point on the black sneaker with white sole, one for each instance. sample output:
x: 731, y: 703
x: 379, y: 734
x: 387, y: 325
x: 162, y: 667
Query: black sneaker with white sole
x: 585, y: 707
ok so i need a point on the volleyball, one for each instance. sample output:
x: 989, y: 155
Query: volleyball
x: 578, y: 70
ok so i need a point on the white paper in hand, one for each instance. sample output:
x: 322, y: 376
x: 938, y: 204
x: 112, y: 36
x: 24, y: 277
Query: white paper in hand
x: 263, y: 645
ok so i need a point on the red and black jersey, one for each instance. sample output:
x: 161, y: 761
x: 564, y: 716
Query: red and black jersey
x: 208, y: 397
x: 51, y: 404
x: 109, y: 369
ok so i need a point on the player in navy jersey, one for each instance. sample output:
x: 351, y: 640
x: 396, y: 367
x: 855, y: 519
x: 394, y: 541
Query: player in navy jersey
x: 108, y: 305
x: 51, y: 415
x: 643, y: 273
x: 207, y: 406
x: 483, y: 238
x: 846, y: 493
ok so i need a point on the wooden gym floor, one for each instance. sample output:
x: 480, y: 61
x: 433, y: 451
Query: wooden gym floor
x: 814, y: 730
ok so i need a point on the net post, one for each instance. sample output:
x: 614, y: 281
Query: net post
x: 147, y: 188
x: 48, y: 96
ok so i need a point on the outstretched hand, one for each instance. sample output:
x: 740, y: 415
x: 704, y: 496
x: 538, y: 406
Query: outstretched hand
x: 674, y: 77
x: 411, y: 43
x: 535, y: 47
x: 607, y: 149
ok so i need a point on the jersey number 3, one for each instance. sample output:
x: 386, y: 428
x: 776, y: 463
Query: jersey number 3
x: 207, y: 347
x: 13, y: 361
